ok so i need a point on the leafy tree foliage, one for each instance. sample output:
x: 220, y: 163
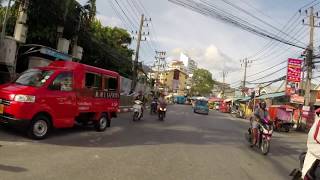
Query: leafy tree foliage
x: 202, y: 82
x: 104, y: 47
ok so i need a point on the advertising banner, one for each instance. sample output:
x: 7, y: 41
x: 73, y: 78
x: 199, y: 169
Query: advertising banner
x: 293, y: 76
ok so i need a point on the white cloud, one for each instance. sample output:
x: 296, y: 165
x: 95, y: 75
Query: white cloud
x: 109, y: 21
x: 210, y: 58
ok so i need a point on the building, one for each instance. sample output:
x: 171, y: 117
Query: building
x: 189, y: 63
x: 173, y: 81
x: 223, y: 90
x: 192, y: 66
x: 177, y: 64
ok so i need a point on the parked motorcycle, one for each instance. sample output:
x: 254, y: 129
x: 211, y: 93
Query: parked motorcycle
x: 137, y: 110
x: 162, y: 111
x: 282, y: 125
x: 265, y: 131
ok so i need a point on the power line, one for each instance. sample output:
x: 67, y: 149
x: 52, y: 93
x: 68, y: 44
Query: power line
x: 271, y: 81
x: 133, y: 24
x: 268, y: 75
x: 268, y: 68
x: 288, y: 24
x: 124, y: 21
x: 259, y: 19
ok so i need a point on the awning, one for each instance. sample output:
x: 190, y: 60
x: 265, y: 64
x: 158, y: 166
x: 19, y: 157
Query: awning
x: 271, y: 96
x: 237, y: 98
x: 213, y: 99
x: 245, y: 99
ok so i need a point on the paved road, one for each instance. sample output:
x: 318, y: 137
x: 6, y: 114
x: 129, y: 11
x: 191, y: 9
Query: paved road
x: 185, y: 146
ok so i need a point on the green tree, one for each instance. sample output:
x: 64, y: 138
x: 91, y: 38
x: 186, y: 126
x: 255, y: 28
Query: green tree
x: 104, y: 47
x: 202, y: 82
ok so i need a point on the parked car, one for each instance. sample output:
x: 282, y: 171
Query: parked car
x: 58, y: 96
x: 201, y: 106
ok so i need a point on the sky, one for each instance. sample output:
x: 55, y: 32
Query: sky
x: 215, y: 45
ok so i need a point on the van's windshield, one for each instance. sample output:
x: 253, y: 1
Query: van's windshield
x: 34, y: 77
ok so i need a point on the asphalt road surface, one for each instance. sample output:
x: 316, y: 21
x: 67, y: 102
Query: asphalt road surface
x: 185, y: 146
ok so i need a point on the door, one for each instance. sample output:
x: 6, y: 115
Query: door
x: 62, y: 99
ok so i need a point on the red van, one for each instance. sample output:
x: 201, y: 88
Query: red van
x: 58, y: 96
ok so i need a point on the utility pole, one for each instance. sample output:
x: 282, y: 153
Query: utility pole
x: 309, y: 57
x: 159, y: 64
x: 136, y: 58
x: 224, y: 74
x: 244, y: 63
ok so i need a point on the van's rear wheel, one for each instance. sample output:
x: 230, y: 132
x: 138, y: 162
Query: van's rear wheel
x: 39, y: 127
x: 102, y: 123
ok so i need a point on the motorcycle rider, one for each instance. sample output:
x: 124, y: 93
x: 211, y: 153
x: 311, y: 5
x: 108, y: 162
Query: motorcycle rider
x: 141, y: 98
x: 259, y: 114
x: 161, y: 101
x: 311, y: 166
x: 154, y: 103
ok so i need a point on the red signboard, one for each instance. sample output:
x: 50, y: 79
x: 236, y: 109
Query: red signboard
x: 293, y: 76
x: 294, y: 70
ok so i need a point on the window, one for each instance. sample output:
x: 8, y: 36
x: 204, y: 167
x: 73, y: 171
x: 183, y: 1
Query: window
x: 34, y: 77
x: 110, y: 84
x: 93, y: 81
x: 113, y: 84
x: 63, y: 82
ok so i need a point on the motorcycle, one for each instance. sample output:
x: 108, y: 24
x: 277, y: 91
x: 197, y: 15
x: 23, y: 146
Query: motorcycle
x: 296, y: 173
x: 153, y: 107
x: 137, y: 110
x: 162, y: 111
x: 265, y: 131
x: 312, y: 172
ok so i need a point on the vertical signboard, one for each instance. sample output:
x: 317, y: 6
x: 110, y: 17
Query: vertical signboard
x: 293, y: 76
x: 175, y: 82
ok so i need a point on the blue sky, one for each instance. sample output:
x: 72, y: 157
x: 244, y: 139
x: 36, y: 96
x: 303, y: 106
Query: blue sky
x: 215, y: 45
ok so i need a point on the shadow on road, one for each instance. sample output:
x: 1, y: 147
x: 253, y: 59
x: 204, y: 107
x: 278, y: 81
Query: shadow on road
x: 184, y: 128
x: 12, y: 168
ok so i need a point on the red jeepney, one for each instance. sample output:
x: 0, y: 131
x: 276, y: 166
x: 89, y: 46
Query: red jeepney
x: 58, y: 96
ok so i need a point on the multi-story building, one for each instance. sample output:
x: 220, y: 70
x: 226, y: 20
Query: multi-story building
x: 189, y: 63
x: 174, y: 81
x: 177, y: 64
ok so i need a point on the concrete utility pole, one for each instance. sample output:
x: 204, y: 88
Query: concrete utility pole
x: 245, y: 62
x: 309, y: 58
x: 136, y: 58
x: 159, y: 64
x: 224, y: 75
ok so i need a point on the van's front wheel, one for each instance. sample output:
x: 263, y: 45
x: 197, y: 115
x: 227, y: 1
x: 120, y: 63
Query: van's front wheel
x: 102, y: 123
x: 39, y: 127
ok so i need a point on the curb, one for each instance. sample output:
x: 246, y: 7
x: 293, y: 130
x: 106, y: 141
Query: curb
x: 126, y: 109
